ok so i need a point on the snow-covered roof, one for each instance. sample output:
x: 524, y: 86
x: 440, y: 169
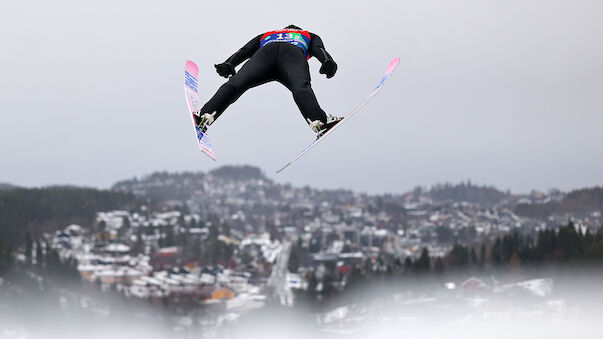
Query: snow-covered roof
x: 118, y: 248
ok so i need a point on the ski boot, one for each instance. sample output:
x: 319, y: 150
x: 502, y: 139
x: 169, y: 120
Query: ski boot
x: 203, y: 120
x: 320, y: 128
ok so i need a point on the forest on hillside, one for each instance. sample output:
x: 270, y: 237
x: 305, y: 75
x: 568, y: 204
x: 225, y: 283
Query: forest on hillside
x: 585, y: 200
x: 40, y: 210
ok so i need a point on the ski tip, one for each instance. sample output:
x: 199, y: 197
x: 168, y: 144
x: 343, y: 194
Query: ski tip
x: 191, y: 66
x: 282, y: 168
x: 392, y: 65
x: 210, y: 154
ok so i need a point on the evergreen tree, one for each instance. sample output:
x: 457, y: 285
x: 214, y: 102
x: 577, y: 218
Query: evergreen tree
x: 104, y: 232
x: 295, y: 257
x: 214, y: 246
x: 197, y: 250
x: 71, y: 269
x: 53, y: 262
x: 169, y: 238
x: 28, y: 247
x: 312, y: 285
x: 346, y: 248
x: 183, y: 237
x: 138, y: 246
x: 408, y: 264
x: 514, y: 261
x: 226, y: 229
x: 315, y: 245
x: 126, y: 222
x: 496, y: 252
x: 161, y: 241
x: 40, y: 255
x: 569, y: 242
x: 458, y: 257
x: 423, y: 264
x: 5, y: 256
x: 473, y: 257
x: 438, y: 266
x: 482, y: 257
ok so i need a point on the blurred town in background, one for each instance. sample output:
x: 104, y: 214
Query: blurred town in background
x: 209, y: 248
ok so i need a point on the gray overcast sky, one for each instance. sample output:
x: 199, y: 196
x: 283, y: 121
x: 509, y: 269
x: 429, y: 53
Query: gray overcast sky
x: 507, y: 93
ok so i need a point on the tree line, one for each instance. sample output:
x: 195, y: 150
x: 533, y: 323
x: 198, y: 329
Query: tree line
x: 546, y: 248
x: 41, y: 258
x: 553, y: 247
x: 41, y: 210
x: 578, y: 201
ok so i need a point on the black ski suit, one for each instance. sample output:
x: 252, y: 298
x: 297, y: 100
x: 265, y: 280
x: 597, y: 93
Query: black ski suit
x: 279, y: 61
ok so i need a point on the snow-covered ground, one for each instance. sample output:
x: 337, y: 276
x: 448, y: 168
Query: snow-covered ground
x: 539, y: 307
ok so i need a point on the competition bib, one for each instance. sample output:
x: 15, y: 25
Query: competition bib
x: 295, y: 37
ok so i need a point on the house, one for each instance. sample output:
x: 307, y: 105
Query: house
x: 474, y: 284
x: 165, y: 258
x: 222, y: 294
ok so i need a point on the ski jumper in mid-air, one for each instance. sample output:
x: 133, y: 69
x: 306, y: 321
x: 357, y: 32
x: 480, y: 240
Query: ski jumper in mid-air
x: 281, y: 56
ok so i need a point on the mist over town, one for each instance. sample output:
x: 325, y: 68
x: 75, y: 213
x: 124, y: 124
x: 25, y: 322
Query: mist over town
x: 216, y: 253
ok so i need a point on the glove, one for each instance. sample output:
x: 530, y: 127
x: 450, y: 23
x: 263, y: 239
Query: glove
x: 225, y: 69
x: 329, y: 67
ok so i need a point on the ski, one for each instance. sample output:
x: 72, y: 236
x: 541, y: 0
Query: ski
x: 390, y: 70
x: 191, y: 93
